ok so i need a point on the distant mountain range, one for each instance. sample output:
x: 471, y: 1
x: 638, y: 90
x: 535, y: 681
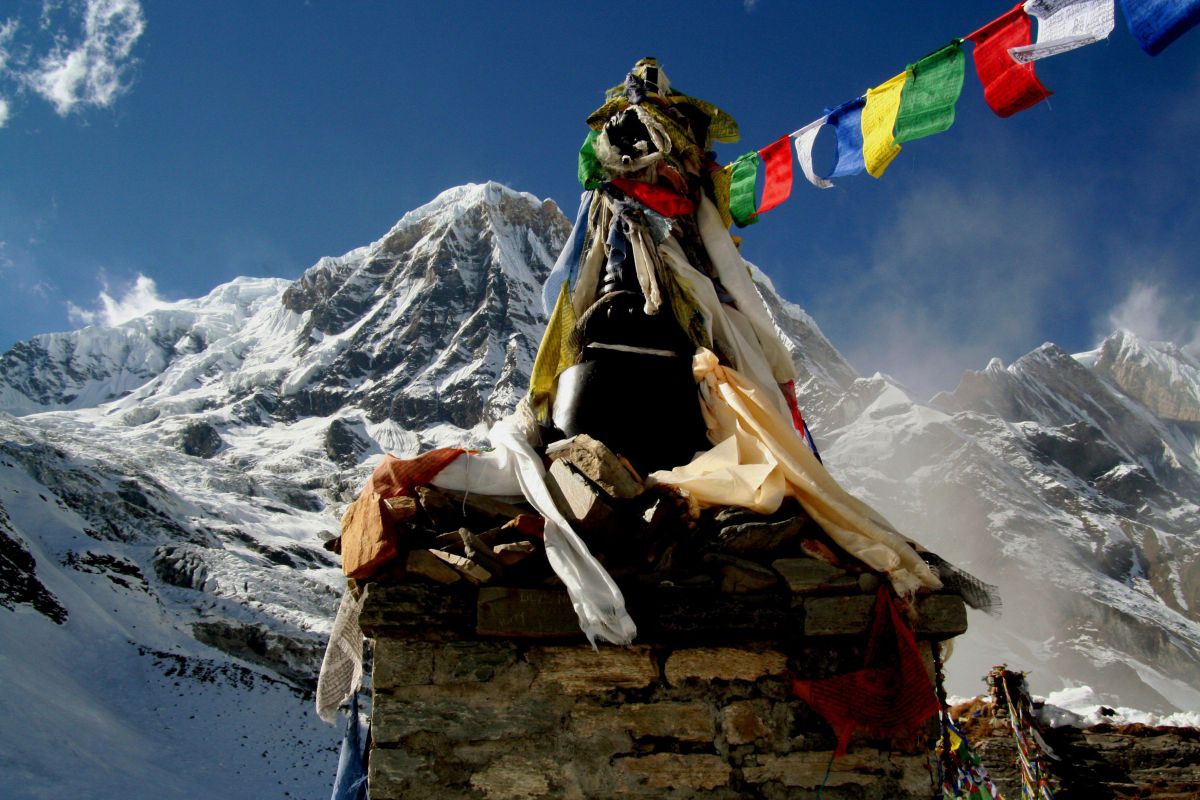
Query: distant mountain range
x: 166, y: 484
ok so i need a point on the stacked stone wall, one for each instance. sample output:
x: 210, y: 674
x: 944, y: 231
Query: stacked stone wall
x: 491, y: 693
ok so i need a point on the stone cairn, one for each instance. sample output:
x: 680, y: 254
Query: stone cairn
x: 485, y: 688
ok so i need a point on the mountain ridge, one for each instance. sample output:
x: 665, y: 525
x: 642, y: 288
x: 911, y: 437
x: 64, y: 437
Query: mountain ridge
x: 196, y: 456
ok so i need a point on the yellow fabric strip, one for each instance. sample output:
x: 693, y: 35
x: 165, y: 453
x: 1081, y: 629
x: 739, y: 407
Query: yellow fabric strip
x: 557, y: 352
x: 878, y: 120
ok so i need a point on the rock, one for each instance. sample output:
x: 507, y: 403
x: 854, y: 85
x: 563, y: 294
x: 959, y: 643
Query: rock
x: 941, y: 616
x: 525, y: 613
x: 343, y: 445
x: 512, y: 553
x: 674, y: 771
x: 805, y: 575
x: 439, y: 508
x: 200, y: 439
x: 744, y: 721
x: 759, y: 537
x: 482, y: 509
x: 606, y: 469
x: 682, y: 721
x: 723, y: 663
x: 426, y: 564
x: 844, y: 615
x: 478, y: 551
x: 399, y: 509
x: 579, y: 670
x: 466, y: 567
x: 739, y: 576
x: 401, y: 609
x: 579, y: 501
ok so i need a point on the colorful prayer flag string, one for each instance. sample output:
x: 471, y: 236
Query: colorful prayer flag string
x: 921, y: 101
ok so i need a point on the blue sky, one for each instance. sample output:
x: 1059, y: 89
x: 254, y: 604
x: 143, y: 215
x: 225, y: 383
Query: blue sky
x: 155, y: 150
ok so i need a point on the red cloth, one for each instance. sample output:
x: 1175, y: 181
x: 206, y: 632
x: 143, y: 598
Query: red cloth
x: 777, y: 163
x: 890, y: 696
x: 396, y: 476
x: 1008, y: 87
x: 658, y: 198
x: 789, y: 392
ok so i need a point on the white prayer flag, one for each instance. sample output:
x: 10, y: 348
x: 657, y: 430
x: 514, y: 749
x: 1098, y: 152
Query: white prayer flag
x: 1065, y: 25
x: 805, y: 137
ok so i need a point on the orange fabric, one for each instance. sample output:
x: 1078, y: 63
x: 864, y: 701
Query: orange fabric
x: 890, y: 696
x: 398, y: 476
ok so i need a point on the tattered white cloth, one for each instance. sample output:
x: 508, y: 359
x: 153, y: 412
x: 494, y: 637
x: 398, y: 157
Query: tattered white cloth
x: 1064, y: 25
x: 759, y: 459
x: 342, y: 666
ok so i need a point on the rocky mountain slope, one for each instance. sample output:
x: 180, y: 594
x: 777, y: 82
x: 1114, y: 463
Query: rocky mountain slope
x: 165, y: 486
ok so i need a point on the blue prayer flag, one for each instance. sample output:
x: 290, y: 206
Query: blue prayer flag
x: 847, y: 121
x: 1157, y: 23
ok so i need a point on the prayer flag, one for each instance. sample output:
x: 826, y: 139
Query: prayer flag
x: 777, y: 182
x: 1157, y: 23
x: 1064, y: 25
x: 743, y: 173
x: 847, y: 121
x: 805, y: 137
x: 878, y: 119
x: 1008, y: 87
x: 934, y: 84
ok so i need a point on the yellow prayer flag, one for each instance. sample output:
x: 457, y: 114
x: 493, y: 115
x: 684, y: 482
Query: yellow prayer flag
x: 878, y: 120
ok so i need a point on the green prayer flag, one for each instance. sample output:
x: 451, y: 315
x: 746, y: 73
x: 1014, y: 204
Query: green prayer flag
x: 742, y: 205
x: 590, y: 174
x: 934, y: 84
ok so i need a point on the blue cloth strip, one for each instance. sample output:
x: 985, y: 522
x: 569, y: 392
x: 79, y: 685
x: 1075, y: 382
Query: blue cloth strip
x: 568, y: 260
x: 1157, y: 23
x: 847, y: 122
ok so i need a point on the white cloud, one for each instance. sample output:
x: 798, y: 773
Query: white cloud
x: 138, y: 299
x: 8, y: 31
x: 92, y: 70
x: 3, y: 112
x: 1142, y: 311
x: 956, y: 275
x: 1155, y: 315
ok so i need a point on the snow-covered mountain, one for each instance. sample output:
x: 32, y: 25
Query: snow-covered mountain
x: 166, y: 484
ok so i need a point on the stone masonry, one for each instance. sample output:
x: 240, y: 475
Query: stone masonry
x: 491, y: 692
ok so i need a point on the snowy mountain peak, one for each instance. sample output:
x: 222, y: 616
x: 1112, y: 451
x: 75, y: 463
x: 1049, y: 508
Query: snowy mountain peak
x: 1159, y: 375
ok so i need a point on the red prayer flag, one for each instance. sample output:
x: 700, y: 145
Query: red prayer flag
x: 1008, y: 87
x: 777, y: 162
x: 890, y: 696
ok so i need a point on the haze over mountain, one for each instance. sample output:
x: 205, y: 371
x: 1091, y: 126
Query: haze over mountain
x: 166, y: 484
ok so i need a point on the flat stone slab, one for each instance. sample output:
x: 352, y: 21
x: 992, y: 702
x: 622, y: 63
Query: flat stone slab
x: 393, y: 609
x: 804, y: 575
x: 525, y: 613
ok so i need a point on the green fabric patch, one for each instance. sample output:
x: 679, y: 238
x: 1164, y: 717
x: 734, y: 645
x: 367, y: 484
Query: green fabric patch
x: 934, y: 84
x: 743, y: 175
x: 590, y: 174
